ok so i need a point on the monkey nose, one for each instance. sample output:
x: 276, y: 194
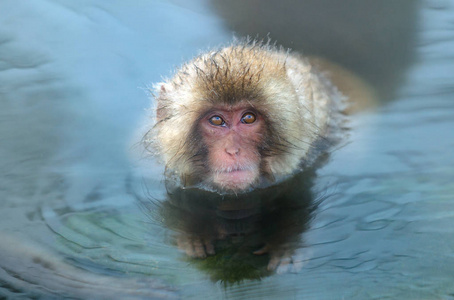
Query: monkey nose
x: 232, y: 150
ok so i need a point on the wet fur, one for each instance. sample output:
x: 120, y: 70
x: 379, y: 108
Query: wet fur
x: 301, y: 108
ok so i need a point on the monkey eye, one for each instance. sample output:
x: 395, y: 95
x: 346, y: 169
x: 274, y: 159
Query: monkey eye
x: 248, y: 118
x: 216, y: 121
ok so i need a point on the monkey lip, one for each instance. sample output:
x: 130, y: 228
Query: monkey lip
x: 237, y: 173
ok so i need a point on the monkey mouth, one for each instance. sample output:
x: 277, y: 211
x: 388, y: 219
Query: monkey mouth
x: 237, y: 178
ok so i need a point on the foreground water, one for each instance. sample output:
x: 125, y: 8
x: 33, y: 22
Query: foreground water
x: 78, y: 219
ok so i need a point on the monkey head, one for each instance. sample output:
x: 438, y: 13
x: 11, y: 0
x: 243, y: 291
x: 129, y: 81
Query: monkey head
x: 239, y: 118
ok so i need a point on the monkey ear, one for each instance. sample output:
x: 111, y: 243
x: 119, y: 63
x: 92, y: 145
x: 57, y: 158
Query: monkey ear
x: 161, y: 108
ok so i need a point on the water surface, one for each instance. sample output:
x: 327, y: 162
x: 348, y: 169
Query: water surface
x: 80, y: 219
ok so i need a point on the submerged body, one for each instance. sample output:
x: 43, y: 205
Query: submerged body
x: 243, y: 117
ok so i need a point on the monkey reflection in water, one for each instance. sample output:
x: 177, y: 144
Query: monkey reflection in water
x: 244, y: 235
x: 239, y: 121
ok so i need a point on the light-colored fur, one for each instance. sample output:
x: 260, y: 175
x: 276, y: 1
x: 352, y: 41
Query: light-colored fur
x: 299, y: 102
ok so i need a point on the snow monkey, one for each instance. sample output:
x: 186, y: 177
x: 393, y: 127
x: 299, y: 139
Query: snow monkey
x: 242, y: 117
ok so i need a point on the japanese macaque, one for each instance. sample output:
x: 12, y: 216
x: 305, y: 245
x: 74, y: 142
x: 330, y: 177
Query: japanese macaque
x: 245, y: 116
x: 236, y: 120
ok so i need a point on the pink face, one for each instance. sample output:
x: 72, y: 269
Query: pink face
x: 232, y: 136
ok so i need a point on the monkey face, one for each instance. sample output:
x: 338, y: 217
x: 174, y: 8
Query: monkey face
x: 232, y: 136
